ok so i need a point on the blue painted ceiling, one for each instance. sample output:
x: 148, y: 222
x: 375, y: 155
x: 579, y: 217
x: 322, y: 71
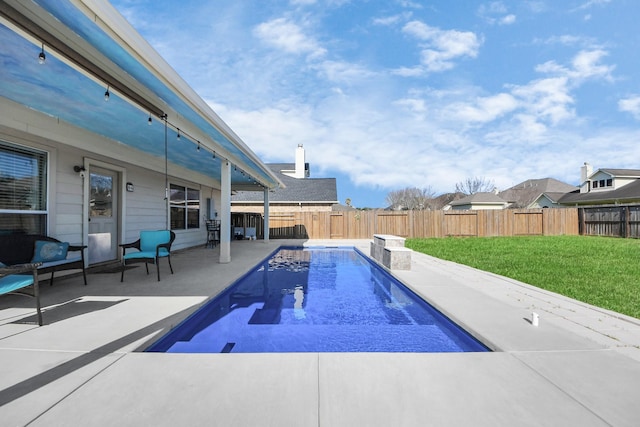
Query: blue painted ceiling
x: 60, y: 90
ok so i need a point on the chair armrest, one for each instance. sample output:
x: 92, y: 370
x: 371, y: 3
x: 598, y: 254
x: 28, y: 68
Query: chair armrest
x: 125, y: 246
x: 19, y: 268
x: 163, y: 245
x: 75, y: 248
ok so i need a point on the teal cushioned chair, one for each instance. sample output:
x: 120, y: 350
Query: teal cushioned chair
x: 151, y: 246
x: 12, y: 281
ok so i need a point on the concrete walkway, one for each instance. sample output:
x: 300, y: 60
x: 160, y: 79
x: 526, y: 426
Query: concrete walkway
x: 579, y: 367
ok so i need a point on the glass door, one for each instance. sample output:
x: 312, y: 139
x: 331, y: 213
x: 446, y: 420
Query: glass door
x: 103, y: 215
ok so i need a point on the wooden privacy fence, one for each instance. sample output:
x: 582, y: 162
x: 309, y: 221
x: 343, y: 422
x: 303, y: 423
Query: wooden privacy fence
x: 479, y: 223
x: 614, y: 221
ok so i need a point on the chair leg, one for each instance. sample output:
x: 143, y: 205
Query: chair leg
x: 122, y: 273
x: 158, y: 268
x: 170, y: 267
x: 36, y: 294
x: 147, y: 267
x: 51, y: 280
x: 84, y: 275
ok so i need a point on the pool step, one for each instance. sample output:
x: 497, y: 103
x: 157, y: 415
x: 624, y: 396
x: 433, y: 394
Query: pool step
x: 228, y: 347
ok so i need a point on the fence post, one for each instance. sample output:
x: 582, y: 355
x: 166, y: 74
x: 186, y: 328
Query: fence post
x: 581, y: 224
x: 625, y: 224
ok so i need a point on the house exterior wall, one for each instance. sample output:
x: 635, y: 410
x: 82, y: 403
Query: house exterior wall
x: 67, y: 146
x: 473, y: 207
x: 542, y: 202
x: 598, y: 179
x: 621, y: 182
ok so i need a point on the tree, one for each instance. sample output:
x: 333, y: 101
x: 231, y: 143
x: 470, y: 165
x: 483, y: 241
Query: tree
x: 475, y: 185
x: 411, y: 198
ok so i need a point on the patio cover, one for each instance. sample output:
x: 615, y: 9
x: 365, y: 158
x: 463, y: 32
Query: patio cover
x: 90, y: 49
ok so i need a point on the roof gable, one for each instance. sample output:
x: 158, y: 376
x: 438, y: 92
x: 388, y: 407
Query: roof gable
x: 527, y: 192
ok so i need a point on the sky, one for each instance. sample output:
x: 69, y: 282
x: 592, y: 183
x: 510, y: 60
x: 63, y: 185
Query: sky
x: 390, y: 94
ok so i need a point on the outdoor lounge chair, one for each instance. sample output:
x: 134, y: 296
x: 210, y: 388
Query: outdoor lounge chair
x: 151, y: 246
x: 13, y: 281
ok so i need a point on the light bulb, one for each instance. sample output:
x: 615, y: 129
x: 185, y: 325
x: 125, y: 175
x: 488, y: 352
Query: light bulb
x: 42, y: 57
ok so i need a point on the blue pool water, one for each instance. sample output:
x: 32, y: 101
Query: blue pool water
x: 317, y: 300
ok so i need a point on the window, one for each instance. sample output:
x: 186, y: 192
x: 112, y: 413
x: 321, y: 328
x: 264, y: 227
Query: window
x: 23, y: 190
x: 185, y: 207
x: 602, y: 183
x: 609, y: 182
x: 595, y: 184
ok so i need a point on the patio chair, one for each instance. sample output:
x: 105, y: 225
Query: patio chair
x: 151, y: 246
x: 13, y: 281
x: 213, y: 233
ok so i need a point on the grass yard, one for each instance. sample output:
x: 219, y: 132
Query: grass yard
x: 601, y: 271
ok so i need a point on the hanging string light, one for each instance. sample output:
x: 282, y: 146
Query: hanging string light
x: 180, y: 133
x: 42, y: 57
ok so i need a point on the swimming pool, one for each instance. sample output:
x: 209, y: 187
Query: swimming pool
x: 317, y: 299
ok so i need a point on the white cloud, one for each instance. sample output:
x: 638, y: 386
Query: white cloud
x: 566, y: 40
x: 586, y: 65
x: 536, y: 104
x: 415, y: 105
x: 484, y: 109
x: 410, y: 4
x: 508, y: 19
x: 390, y: 20
x: 547, y: 99
x: 344, y: 72
x: 630, y: 105
x: 536, y: 6
x: 442, y: 47
x: 496, y: 13
x: 270, y: 130
x: 288, y: 36
x: 408, y: 71
x: 589, y: 4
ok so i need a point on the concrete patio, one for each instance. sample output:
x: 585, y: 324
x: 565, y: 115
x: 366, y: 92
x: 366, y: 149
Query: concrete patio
x: 580, y: 366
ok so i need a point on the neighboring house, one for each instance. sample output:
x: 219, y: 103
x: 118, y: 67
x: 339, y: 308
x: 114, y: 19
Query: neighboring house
x: 536, y: 193
x: 338, y: 207
x: 605, y: 187
x: 103, y: 139
x: 300, y: 193
x: 443, y: 201
x: 478, y: 201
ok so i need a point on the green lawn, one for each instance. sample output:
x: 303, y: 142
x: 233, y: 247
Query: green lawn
x: 601, y: 271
